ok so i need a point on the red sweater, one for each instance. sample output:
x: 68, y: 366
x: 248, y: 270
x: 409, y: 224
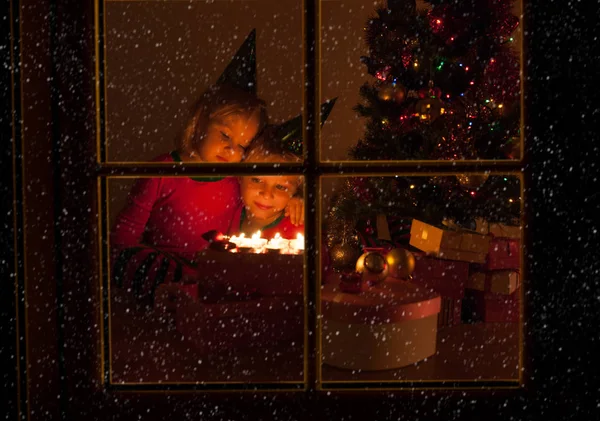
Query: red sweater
x: 282, y: 225
x: 161, y: 227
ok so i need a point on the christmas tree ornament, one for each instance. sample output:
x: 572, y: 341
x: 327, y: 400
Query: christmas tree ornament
x: 472, y: 181
x: 401, y: 263
x: 399, y: 93
x: 429, y: 109
x: 373, y: 267
x: 352, y: 282
x: 343, y: 256
x: 386, y: 92
x: 383, y: 73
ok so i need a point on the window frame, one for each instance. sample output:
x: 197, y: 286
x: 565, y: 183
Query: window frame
x: 312, y: 168
x: 76, y: 353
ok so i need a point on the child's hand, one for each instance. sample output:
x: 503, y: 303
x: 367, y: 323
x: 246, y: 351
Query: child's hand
x: 295, y: 210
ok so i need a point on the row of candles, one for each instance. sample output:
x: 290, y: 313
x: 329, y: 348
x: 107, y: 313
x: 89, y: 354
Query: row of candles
x: 256, y: 244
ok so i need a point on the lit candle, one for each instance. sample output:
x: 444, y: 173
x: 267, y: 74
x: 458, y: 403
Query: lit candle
x: 238, y: 241
x: 258, y: 243
x: 298, y: 243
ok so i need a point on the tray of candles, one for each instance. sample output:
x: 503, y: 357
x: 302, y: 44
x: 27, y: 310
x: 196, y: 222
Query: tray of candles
x: 253, y: 265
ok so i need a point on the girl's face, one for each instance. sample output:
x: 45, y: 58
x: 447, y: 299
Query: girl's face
x: 265, y: 197
x: 227, y: 137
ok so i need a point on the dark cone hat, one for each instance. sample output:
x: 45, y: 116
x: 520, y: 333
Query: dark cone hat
x: 290, y: 132
x: 241, y: 70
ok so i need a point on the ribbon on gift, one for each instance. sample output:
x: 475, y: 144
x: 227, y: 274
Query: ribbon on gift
x: 391, y: 302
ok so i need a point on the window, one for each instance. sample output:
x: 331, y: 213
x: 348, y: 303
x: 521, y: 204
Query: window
x: 141, y: 116
x: 129, y: 136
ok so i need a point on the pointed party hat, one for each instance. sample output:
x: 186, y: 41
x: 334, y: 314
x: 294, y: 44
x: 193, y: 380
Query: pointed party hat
x: 290, y: 132
x: 241, y: 70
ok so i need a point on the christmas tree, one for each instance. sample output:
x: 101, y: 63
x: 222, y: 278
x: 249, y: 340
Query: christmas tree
x: 446, y: 87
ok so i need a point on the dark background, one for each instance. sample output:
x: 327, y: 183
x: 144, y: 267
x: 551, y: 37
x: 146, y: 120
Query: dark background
x: 562, y: 301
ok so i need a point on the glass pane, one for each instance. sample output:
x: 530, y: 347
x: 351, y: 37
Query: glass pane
x: 160, y: 56
x: 193, y: 296
x: 421, y: 279
x: 421, y: 83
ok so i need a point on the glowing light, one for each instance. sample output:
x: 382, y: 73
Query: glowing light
x: 412, y: 186
x: 298, y: 243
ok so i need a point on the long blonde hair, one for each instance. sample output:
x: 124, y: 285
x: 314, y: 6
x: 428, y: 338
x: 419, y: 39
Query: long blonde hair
x: 219, y: 101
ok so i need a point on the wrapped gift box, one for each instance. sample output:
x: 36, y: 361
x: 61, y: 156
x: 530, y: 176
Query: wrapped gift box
x: 448, y: 244
x: 450, y: 312
x: 504, y: 254
x: 492, y: 307
x: 501, y: 281
x: 393, y: 324
x: 498, y: 230
x: 447, y: 277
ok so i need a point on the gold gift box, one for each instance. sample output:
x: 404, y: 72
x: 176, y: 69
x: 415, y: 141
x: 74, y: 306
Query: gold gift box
x: 463, y: 245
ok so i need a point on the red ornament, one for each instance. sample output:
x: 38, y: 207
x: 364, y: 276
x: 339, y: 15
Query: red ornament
x: 361, y: 189
x: 352, y: 283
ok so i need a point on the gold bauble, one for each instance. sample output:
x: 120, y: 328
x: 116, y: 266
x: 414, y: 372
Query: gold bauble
x: 343, y: 256
x: 373, y: 267
x: 472, y: 181
x: 401, y: 263
x: 386, y: 92
x: 429, y: 109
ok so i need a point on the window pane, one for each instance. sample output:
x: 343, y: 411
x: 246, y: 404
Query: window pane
x: 160, y: 57
x: 189, y: 305
x: 430, y: 84
x: 421, y: 278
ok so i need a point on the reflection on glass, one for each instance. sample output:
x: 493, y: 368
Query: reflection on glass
x: 161, y: 56
x: 422, y: 80
x: 421, y: 278
x: 206, y: 279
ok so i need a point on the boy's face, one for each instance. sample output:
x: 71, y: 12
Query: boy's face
x: 266, y: 196
x: 227, y: 137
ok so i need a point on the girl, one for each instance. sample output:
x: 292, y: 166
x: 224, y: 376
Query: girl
x: 161, y: 227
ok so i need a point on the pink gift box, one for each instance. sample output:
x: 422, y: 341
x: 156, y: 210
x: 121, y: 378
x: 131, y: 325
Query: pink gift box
x: 504, y: 254
x: 447, y: 277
